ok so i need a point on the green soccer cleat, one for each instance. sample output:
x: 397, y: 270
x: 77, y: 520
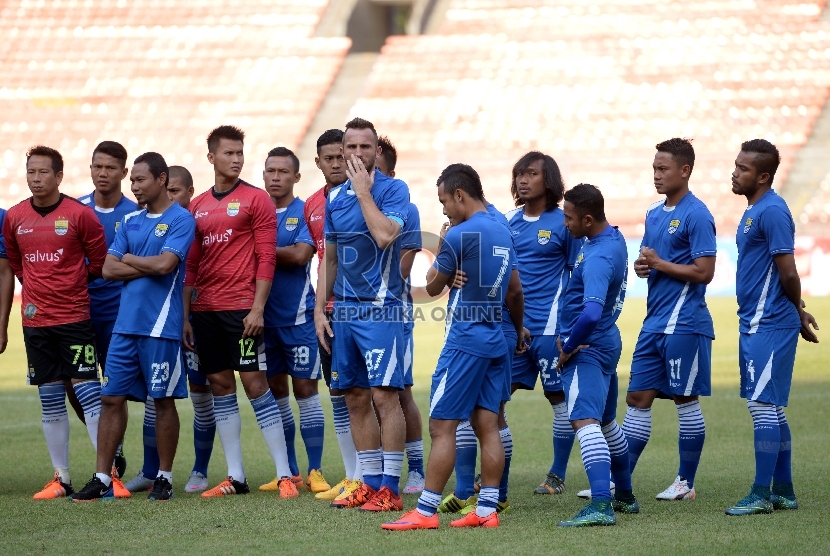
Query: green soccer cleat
x: 784, y: 502
x: 625, y: 506
x: 756, y: 502
x: 453, y: 504
x: 596, y: 513
x: 503, y: 507
x: 553, y: 484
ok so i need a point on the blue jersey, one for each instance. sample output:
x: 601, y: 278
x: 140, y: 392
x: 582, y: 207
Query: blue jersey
x: 291, y: 300
x: 365, y: 272
x: 767, y: 229
x: 599, y: 275
x: 410, y: 239
x: 482, y: 248
x: 3, y: 254
x: 152, y: 305
x: 679, y: 235
x: 104, y: 295
x: 546, y: 253
x: 507, y: 323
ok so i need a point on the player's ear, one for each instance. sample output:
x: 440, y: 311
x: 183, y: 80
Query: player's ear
x: 317, y: 162
x: 59, y: 177
x: 392, y: 174
x: 763, y: 178
x: 210, y: 157
x: 297, y: 177
x: 124, y: 172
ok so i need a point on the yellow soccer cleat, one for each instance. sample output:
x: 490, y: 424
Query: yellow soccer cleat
x: 334, y: 491
x: 315, y: 482
x: 347, y: 490
x: 273, y: 486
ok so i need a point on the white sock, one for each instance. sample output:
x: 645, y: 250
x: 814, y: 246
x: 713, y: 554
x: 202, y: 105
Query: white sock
x: 55, y: 422
x: 269, y: 418
x: 106, y: 479
x: 167, y: 475
x: 229, y: 427
x: 88, y: 393
x: 343, y: 431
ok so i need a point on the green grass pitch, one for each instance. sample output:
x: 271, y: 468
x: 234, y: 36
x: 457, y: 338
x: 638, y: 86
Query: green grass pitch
x: 262, y: 522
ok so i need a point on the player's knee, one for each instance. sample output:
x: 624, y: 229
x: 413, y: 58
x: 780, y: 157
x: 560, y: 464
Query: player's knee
x: 200, y: 388
x: 440, y: 429
x: 641, y: 400
x: 304, y: 388
x: 279, y: 386
x: 555, y: 397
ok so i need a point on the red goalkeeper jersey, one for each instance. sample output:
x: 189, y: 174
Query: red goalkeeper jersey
x: 235, y: 245
x: 54, y: 250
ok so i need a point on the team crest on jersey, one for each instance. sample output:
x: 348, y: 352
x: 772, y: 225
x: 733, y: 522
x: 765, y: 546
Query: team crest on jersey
x: 160, y: 230
x: 673, y: 225
x: 579, y: 260
x: 543, y: 237
x: 61, y: 227
x: 29, y: 311
x: 117, y: 225
x: 291, y: 224
x: 233, y: 209
x: 747, y: 225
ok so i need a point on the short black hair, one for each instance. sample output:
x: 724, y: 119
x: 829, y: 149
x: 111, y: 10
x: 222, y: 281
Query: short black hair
x: 329, y: 137
x: 360, y: 123
x: 587, y: 199
x: 388, y: 152
x: 157, y: 165
x: 41, y: 150
x: 285, y: 151
x: 463, y: 177
x: 181, y: 173
x: 554, y: 184
x: 681, y: 151
x: 115, y: 150
x: 767, y: 157
x: 224, y: 132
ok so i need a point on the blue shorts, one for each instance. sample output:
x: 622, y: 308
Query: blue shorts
x: 463, y: 382
x: 674, y: 364
x: 541, y: 358
x: 510, y: 338
x: 103, y: 335
x: 408, y: 356
x: 292, y: 350
x: 154, y: 364
x: 368, y: 346
x: 590, y: 391
x: 191, y: 361
x: 767, y: 360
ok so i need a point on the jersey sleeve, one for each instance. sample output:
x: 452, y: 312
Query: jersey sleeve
x: 11, y: 248
x: 329, y: 232
x: 394, y: 203
x: 702, y: 242
x: 120, y: 246
x: 264, y: 226
x: 93, y: 240
x: 180, y: 237
x: 448, y: 257
x: 303, y: 232
x: 597, y: 274
x: 411, y: 232
x: 779, y: 230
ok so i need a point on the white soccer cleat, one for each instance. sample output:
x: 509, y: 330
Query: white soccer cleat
x: 678, y: 490
x: 414, y: 483
x: 586, y: 494
x: 139, y: 483
x: 196, y: 483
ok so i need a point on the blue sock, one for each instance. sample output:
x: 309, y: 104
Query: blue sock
x: 415, y: 456
x: 428, y: 503
x: 563, y: 440
x: 783, y: 465
x: 488, y: 501
x: 312, y: 428
x: 290, y: 430
x: 507, y: 442
x: 767, y: 440
x: 204, y: 430
x: 618, y: 449
x: 371, y: 461
x: 392, y: 468
x: 466, y: 452
x: 88, y: 393
x: 637, y: 430
x: 597, y: 461
x: 151, y: 455
x: 691, y: 436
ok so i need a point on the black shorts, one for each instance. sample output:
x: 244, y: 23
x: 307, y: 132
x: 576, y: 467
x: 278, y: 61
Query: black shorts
x: 325, y: 357
x: 61, y: 352
x: 221, y: 346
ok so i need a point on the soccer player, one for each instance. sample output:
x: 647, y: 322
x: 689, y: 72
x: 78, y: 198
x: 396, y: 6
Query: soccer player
x: 673, y: 355
x: 411, y: 243
x: 148, y: 254
x: 771, y: 316
x: 546, y: 253
x: 469, y: 379
x: 55, y: 245
x: 589, y: 350
x: 364, y: 218
x: 229, y: 270
x: 6, y: 288
x: 290, y: 339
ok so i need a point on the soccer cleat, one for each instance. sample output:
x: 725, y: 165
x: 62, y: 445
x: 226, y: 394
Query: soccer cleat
x: 120, y: 463
x: 553, y: 485
x: 227, y: 487
x: 348, y: 489
x: 315, y: 482
x: 625, y: 506
x: 273, y: 486
x: 678, y: 490
x: 472, y: 520
x: 784, y: 502
x: 118, y: 488
x: 414, y: 483
x: 54, y: 489
x: 298, y: 480
x: 288, y: 488
x: 162, y: 490
x: 93, y: 491
x: 383, y: 501
x: 139, y: 483
x: 753, y: 503
x: 503, y: 507
x: 196, y: 483
x: 413, y: 519
x: 452, y: 504
x: 334, y: 491
x: 586, y: 494
x: 356, y: 498
x: 594, y: 514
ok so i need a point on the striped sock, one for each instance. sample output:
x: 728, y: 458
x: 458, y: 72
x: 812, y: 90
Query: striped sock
x: 392, y: 468
x: 637, y: 430
x: 343, y: 431
x: 488, y: 501
x: 415, y: 455
x: 466, y: 452
x: 507, y: 443
x: 618, y: 449
x: 597, y: 460
x: 428, y: 503
x: 55, y: 422
x: 563, y: 439
x: 229, y: 427
x: 767, y: 440
x: 312, y: 429
x: 371, y: 462
x: 151, y: 453
x: 783, y: 473
x: 691, y: 436
x: 204, y: 430
x: 270, y: 423
x: 289, y: 429
x: 88, y: 393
